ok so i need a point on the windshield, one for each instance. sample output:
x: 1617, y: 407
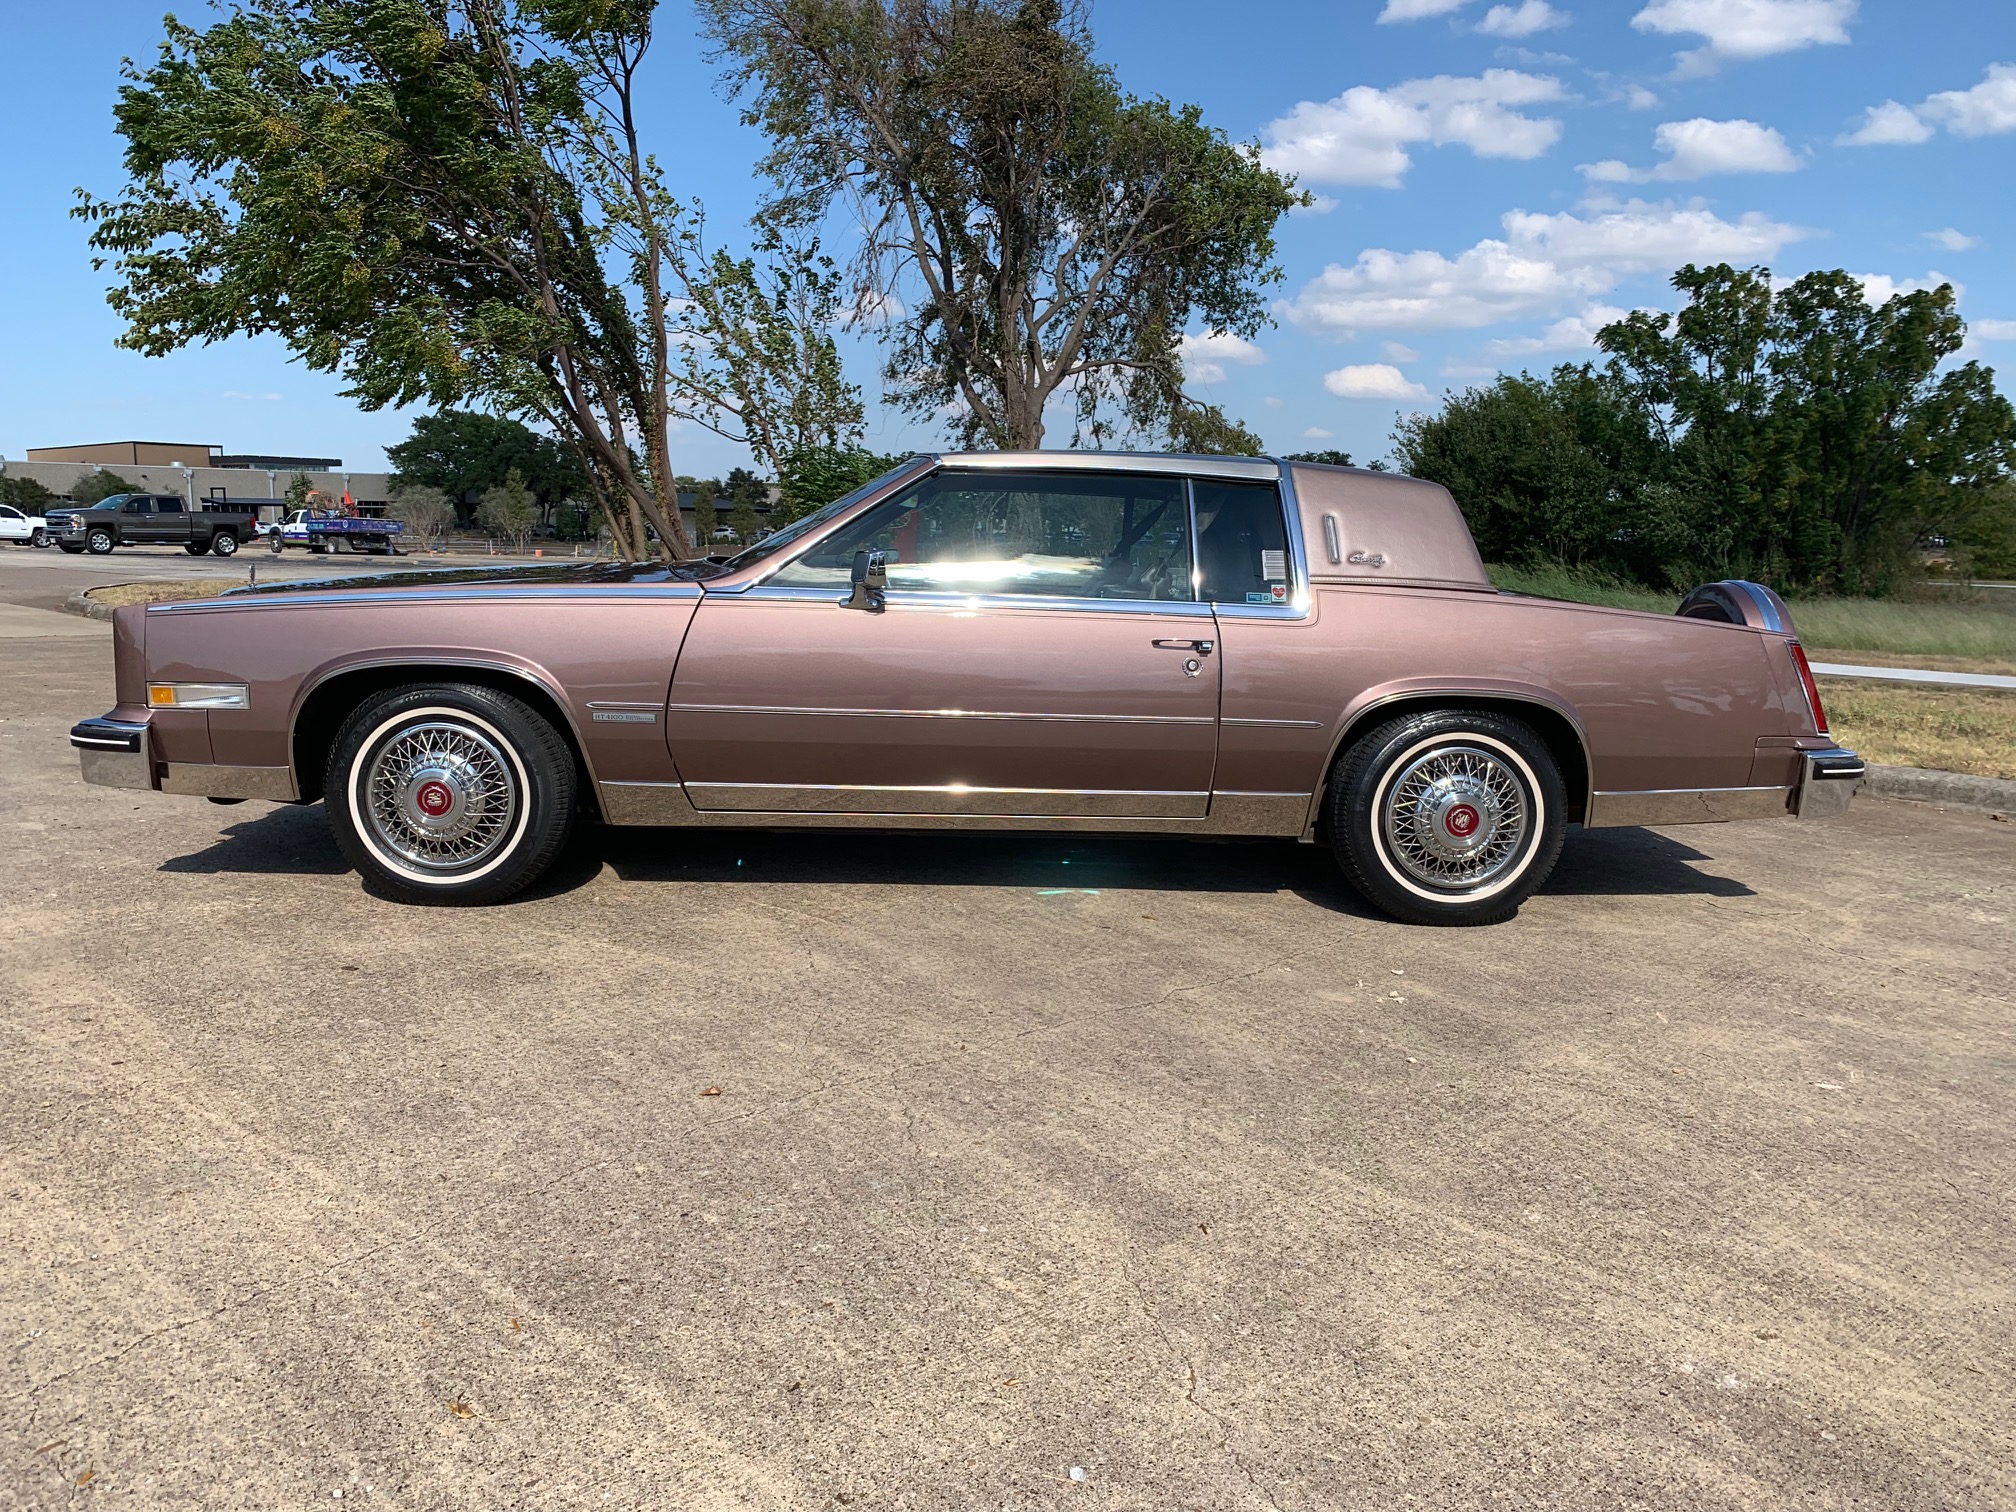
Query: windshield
x: 799, y: 529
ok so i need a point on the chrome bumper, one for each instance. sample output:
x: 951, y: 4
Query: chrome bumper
x: 113, y: 753
x: 1827, y: 780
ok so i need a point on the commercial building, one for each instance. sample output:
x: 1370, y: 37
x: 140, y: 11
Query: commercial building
x: 197, y: 471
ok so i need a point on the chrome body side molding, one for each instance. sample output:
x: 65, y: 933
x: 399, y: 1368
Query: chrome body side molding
x: 665, y: 804
x: 1688, y: 806
x: 198, y: 780
x: 867, y: 798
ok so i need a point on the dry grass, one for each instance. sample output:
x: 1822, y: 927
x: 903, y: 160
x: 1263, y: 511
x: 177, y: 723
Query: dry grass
x: 118, y: 595
x: 1950, y: 729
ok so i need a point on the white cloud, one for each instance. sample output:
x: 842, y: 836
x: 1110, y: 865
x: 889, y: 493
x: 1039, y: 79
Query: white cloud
x: 1418, y: 10
x: 1881, y: 288
x: 1700, y: 147
x: 1745, y: 29
x: 1316, y: 433
x: 1571, y: 333
x: 1993, y: 330
x: 1361, y: 137
x: 1372, y: 380
x: 1394, y: 351
x: 1205, y: 356
x: 1521, y: 20
x: 1544, y: 265
x: 1988, y: 109
x: 1319, y: 204
x: 1954, y: 241
x: 1887, y: 125
x: 1638, y: 97
x: 1272, y: 401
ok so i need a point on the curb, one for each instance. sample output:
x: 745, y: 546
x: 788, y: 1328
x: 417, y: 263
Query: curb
x: 1956, y: 790
x: 90, y: 608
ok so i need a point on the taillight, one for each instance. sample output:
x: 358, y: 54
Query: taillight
x: 1812, y: 688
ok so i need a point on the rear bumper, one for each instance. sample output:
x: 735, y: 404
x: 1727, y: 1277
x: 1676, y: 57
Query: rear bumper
x: 1827, y: 781
x: 113, y: 752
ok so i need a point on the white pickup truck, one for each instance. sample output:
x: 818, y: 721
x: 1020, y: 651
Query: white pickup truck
x: 320, y: 531
x: 23, y: 528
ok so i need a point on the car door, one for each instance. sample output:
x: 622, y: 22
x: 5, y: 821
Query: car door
x: 171, y: 520
x: 1039, y: 651
x: 13, y: 524
x: 137, y: 521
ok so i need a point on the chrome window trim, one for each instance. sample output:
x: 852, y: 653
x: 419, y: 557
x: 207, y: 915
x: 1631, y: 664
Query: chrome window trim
x: 1264, y: 469
x: 1162, y: 719
x: 903, y: 475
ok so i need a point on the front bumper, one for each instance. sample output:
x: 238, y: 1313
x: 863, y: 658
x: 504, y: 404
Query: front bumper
x: 1827, y: 780
x: 113, y: 752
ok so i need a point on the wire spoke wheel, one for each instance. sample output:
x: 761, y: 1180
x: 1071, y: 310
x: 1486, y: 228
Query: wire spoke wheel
x: 440, y: 795
x: 1456, y: 817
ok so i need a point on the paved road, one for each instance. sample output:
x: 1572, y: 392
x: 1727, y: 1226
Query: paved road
x: 1917, y: 675
x: 1162, y: 1163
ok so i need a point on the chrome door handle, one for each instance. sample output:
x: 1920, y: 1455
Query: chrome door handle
x: 1201, y: 647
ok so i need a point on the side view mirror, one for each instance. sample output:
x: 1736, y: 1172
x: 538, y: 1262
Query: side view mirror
x: 870, y: 582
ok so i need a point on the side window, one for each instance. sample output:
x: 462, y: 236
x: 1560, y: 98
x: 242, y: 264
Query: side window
x: 1242, y: 543
x: 8, y: 512
x: 168, y: 504
x: 139, y: 506
x: 1049, y: 535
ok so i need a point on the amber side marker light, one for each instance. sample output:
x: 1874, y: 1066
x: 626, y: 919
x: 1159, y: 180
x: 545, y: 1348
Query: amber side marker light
x: 1812, y: 689
x: 197, y: 696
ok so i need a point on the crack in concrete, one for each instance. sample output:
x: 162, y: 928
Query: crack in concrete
x: 427, y: 1231
x: 1218, y: 1420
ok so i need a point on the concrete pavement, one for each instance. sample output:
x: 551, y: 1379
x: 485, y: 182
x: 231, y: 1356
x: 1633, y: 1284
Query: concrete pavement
x: 800, y: 1170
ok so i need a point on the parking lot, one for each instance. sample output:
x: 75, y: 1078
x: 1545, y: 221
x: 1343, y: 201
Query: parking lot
x: 801, y: 1170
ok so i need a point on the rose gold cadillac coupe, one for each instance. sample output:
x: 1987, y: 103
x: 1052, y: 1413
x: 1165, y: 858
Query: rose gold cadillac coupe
x: 1012, y: 641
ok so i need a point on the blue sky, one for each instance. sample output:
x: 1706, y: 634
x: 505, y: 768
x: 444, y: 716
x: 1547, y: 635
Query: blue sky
x: 1496, y: 179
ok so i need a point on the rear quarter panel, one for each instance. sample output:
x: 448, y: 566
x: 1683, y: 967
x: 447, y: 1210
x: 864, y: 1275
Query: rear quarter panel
x: 617, y: 647
x: 1662, y: 702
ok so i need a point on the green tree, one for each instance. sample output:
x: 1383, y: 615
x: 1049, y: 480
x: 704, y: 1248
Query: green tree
x: 1327, y: 458
x: 25, y: 494
x: 464, y: 453
x: 742, y: 519
x: 705, y: 518
x: 814, y: 477
x: 301, y: 493
x: 509, y: 510
x: 425, y: 510
x: 1822, y: 438
x: 444, y: 203
x: 101, y: 484
x: 1028, y: 230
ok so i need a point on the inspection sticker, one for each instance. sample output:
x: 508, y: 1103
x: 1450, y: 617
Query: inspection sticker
x: 1273, y: 564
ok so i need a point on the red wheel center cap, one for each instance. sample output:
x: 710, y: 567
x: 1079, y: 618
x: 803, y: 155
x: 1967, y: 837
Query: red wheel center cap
x: 1461, y: 821
x: 434, y: 799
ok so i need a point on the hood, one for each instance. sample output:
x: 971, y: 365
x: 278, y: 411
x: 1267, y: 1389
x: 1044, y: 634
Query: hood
x: 558, y: 574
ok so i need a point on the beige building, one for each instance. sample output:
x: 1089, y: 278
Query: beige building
x: 197, y: 471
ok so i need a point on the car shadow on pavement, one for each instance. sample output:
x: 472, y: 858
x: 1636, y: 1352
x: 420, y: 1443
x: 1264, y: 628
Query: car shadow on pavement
x: 290, y: 840
x: 282, y: 840
x: 1635, y: 863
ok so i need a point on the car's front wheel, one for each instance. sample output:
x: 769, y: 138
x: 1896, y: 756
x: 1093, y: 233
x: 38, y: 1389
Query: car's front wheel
x: 39, y: 539
x: 1454, y: 816
x: 449, y: 793
x: 100, y: 542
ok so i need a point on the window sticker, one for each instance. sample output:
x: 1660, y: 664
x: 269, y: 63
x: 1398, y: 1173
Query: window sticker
x: 1259, y: 598
x: 1273, y: 564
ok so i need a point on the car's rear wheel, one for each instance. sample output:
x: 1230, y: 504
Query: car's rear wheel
x: 99, y: 542
x: 449, y: 793
x: 224, y: 544
x: 1454, y: 816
